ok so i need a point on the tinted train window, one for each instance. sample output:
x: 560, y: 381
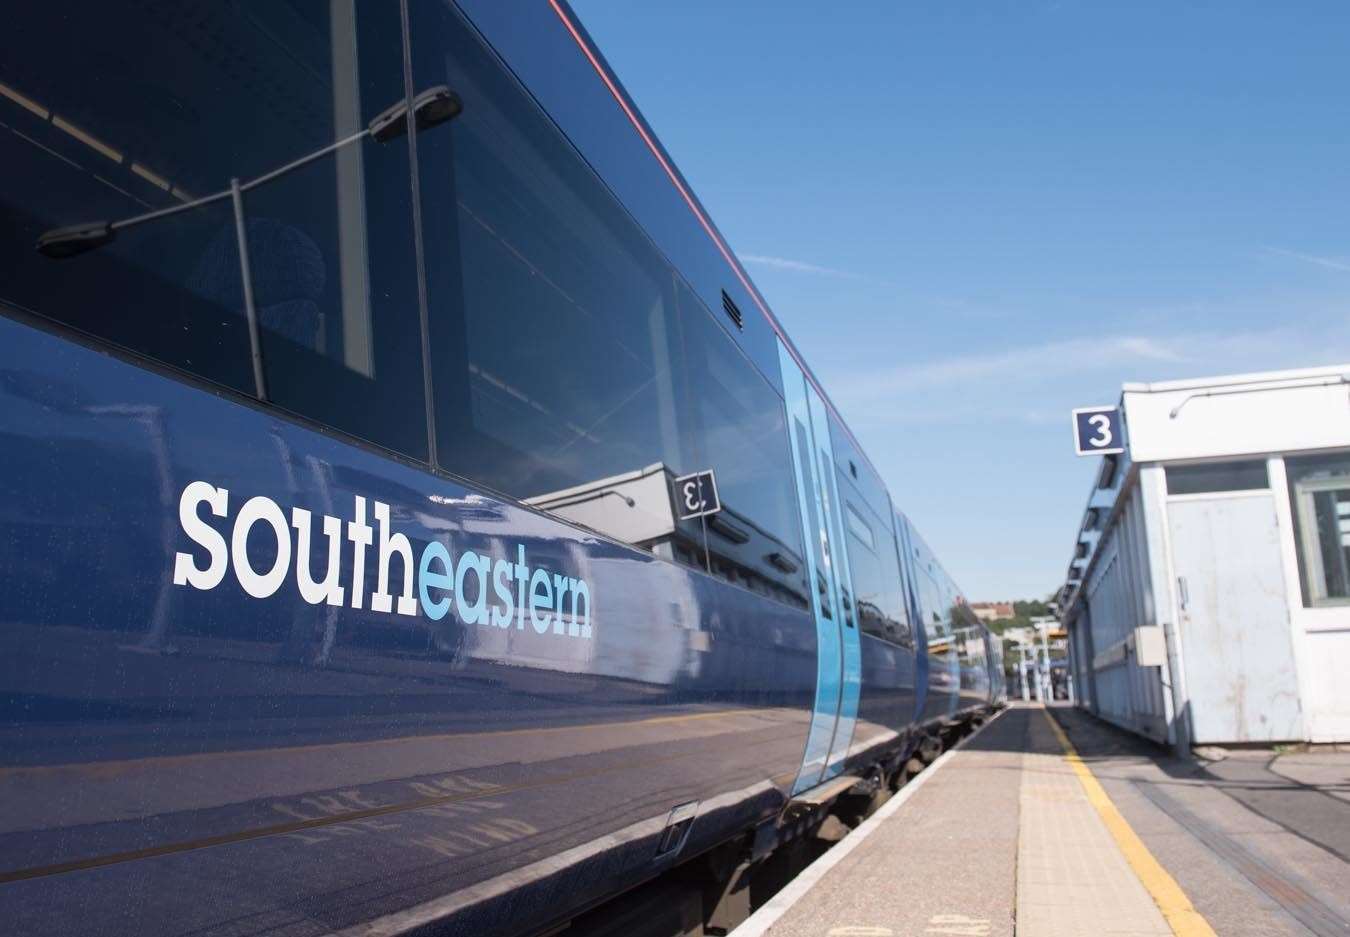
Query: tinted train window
x: 857, y: 470
x: 110, y: 111
x: 875, y: 570
x: 555, y: 335
x: 741, y: 428
x: 937, y: 610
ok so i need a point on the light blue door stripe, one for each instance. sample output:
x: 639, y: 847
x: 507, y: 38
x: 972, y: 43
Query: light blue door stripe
x: 824, y: 711
x: 851, y: 682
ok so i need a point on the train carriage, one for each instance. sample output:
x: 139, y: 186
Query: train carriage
x: 411, y: 514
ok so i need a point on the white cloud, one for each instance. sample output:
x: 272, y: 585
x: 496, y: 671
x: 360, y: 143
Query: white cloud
x: 1027, y: 363
x: 1330, y: 263
x: 1038, y: 383
x: 801, y: 266
x: 979, y: 440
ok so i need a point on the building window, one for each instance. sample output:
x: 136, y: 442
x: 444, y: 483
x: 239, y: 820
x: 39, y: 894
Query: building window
x: 1208, y: 477
x: 1319, y: 495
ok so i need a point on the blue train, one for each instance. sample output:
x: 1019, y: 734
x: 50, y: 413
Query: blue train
x: 412, y: 519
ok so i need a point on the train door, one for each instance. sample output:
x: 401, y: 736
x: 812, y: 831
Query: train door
x: 837, y: 551
x: 837, y: 684
x: 910, y: 573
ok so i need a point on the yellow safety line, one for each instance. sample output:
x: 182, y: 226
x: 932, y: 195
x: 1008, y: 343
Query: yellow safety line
x: 1181, y: 915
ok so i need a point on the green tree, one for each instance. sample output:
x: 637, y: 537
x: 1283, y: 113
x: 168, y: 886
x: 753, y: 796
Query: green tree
x: 1031, y: 608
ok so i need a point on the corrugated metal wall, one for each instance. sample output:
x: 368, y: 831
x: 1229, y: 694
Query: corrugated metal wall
x: 1118, y: 599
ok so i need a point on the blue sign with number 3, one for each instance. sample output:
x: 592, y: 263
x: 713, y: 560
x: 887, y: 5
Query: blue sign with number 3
x: 1098, y: 431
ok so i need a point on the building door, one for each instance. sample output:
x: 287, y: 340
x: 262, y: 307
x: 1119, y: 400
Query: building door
x: 837, y: 653
x: 1234, y: 620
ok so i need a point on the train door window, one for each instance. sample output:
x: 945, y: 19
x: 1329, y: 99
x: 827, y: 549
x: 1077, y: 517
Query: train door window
x: 802, y: 439
x: 555, y: 344
x: 111, y: 113
x: 740, y: 425
x: 1319, y: 494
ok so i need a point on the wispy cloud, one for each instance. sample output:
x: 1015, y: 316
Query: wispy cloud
x: 1017, y: 365
x: 801, y: 266
x: 1330, y: 263
x: 1039, y: 382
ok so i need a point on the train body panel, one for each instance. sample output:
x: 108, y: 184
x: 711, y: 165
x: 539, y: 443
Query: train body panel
x: 149, y: 716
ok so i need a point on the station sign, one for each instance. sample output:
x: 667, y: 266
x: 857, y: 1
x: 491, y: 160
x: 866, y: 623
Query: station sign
x: 696, y: 495
x: 1098, y: 431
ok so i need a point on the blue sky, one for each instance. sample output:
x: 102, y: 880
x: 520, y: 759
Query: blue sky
x: 975, y: 216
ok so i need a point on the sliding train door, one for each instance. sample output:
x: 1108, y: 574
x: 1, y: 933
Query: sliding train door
x: 838, y: 657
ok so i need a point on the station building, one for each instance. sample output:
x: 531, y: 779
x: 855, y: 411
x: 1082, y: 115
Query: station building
x: 1208, y: 597
x: 992, y: 611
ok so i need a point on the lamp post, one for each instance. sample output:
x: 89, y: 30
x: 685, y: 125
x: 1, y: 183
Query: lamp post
x: 1048, y: 690
x: 1023, y: 678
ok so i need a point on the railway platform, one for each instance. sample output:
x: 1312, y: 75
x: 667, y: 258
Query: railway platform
x: 1049, y: 823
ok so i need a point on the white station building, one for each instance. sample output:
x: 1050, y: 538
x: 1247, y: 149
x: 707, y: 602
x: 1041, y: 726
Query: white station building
x: 1208, y: 598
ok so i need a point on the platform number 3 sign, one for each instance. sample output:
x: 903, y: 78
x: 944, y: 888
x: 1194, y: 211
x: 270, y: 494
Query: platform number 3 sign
x: 1097, y: 431
x: 696, y: 495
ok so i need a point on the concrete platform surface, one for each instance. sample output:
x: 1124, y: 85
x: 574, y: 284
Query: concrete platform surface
x: 1049, y: 823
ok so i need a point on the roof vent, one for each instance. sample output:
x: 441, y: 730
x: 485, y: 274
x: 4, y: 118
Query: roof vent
x: 733, y: 311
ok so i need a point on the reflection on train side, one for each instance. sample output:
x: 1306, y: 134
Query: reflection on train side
x: 637, y: 507
x: 323, y: 750
x: 958, y: 641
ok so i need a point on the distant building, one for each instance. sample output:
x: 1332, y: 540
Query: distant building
x: 992, y: 611
x: 1207, y: 599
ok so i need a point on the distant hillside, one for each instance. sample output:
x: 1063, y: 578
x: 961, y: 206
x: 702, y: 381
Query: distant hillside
x: 1023, y: 612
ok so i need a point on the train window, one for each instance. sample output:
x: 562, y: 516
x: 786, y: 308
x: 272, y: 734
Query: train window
x: 1319, y: 494
x: 110, y: 113
x: 859, y: 527
x: 1205, y: 477
x: 875, y: 572
x: 936, y: 610
x: 555, y: 337
x: 853, y: 466
x: 741, y: 428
